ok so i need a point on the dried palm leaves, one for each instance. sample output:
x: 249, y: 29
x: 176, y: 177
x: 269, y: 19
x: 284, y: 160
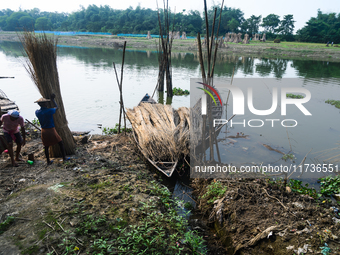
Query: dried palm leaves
x: 162, y: 133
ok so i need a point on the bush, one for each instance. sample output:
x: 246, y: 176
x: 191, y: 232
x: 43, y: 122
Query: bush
x: 277, y: 40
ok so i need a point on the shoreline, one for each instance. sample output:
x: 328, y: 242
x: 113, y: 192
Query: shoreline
x: 285, y: 50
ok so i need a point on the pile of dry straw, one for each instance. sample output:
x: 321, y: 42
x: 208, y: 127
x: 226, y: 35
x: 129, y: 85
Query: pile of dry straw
x: 42, y: 68
x: 161, y: 131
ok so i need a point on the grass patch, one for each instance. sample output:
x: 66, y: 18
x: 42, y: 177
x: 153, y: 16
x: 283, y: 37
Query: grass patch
x: 158, y: 230
x: 336, y: 103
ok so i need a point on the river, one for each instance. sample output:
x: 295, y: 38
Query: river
x: 91, y: 96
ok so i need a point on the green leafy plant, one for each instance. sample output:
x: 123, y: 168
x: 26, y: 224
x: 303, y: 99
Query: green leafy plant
x: 111, y: 131
x: 289, y: 156
x: 5, y: 225
x: 294, y: 96
x: 298, y: 187
x: 195, y: 242
x: 180, y: 92
x: 336, y: 103
x: 330, y: 185
x: 214, y: 191
x: 36, y: 122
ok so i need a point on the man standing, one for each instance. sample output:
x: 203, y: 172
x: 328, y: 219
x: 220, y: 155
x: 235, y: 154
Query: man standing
x: 49, y: 135
x: 11, y: 122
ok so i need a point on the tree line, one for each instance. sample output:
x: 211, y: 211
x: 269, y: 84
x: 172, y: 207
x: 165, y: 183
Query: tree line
x: 324, y: 27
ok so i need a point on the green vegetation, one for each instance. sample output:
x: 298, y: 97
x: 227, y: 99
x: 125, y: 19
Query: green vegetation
x: 296, y: 186
x: 36, y: 122
x: 159, y: 229
x: 215, y: 190
x: 336, y: 103
x: 294, y: 96
x: 323, y: 28
x: 330, y: 185
x: 111, y: 131
x: 5, y: 225
x: 140, y: 21
x: 289, y: 156
x: 180, y: 92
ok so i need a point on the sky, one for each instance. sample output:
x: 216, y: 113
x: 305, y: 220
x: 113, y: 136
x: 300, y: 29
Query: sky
x: 302, y: 10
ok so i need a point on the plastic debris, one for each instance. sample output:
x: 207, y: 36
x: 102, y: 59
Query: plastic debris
x: 56, y: 187
x: 302, y: 250
x: 305, y: 230
x: 325, y: 250
x: 270, y: 234
x: 335, y: 220
x: 298, y: 205
x: 290, y: 247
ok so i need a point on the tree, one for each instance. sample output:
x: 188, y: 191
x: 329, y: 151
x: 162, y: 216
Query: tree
x: 13, y: 21
x: 27, y: 23
x: 253, y: 24
x: 42, y: 23
x: 323, y: 28
x: 270, y: 23
x: 286, y: 27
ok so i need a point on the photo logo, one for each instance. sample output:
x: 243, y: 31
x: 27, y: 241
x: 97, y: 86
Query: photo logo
x: 204, y: 98
x: 239, y: 103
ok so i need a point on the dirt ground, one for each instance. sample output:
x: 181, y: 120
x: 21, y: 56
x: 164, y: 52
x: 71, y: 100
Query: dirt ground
x: 254, y: 49
x: 256, y: 216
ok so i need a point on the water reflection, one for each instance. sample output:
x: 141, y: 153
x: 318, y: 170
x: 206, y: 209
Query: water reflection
x: 225, y: 63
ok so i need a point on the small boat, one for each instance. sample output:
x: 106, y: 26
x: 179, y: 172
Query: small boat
x: 6, y: 105
x: 161, y: 133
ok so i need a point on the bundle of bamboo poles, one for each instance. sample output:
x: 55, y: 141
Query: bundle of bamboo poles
x: 42, y: 68
x: 162, y: 133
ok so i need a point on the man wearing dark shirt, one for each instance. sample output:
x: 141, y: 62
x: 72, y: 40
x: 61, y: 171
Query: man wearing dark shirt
x: 49, y: 135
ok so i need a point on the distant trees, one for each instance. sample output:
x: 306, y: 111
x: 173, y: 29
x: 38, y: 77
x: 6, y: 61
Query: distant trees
x: 271, y: 23
x: 322, y: 28
x: 42, y: 23
x: 286, y: 27
x: 251, y: 25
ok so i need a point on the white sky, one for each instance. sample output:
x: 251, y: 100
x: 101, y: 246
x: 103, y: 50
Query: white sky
x: 301, y: 9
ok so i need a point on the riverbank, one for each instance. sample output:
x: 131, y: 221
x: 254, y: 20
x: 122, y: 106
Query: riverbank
x: 106, y: 199
x: 292, y: 50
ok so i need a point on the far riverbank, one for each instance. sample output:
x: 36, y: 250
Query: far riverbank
x: 292, y: 50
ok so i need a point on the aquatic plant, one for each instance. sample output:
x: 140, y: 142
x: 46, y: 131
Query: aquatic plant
x: 336, y: 103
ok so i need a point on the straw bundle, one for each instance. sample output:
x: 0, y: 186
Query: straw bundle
x: 159, y: 138
x: 42, y: 68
